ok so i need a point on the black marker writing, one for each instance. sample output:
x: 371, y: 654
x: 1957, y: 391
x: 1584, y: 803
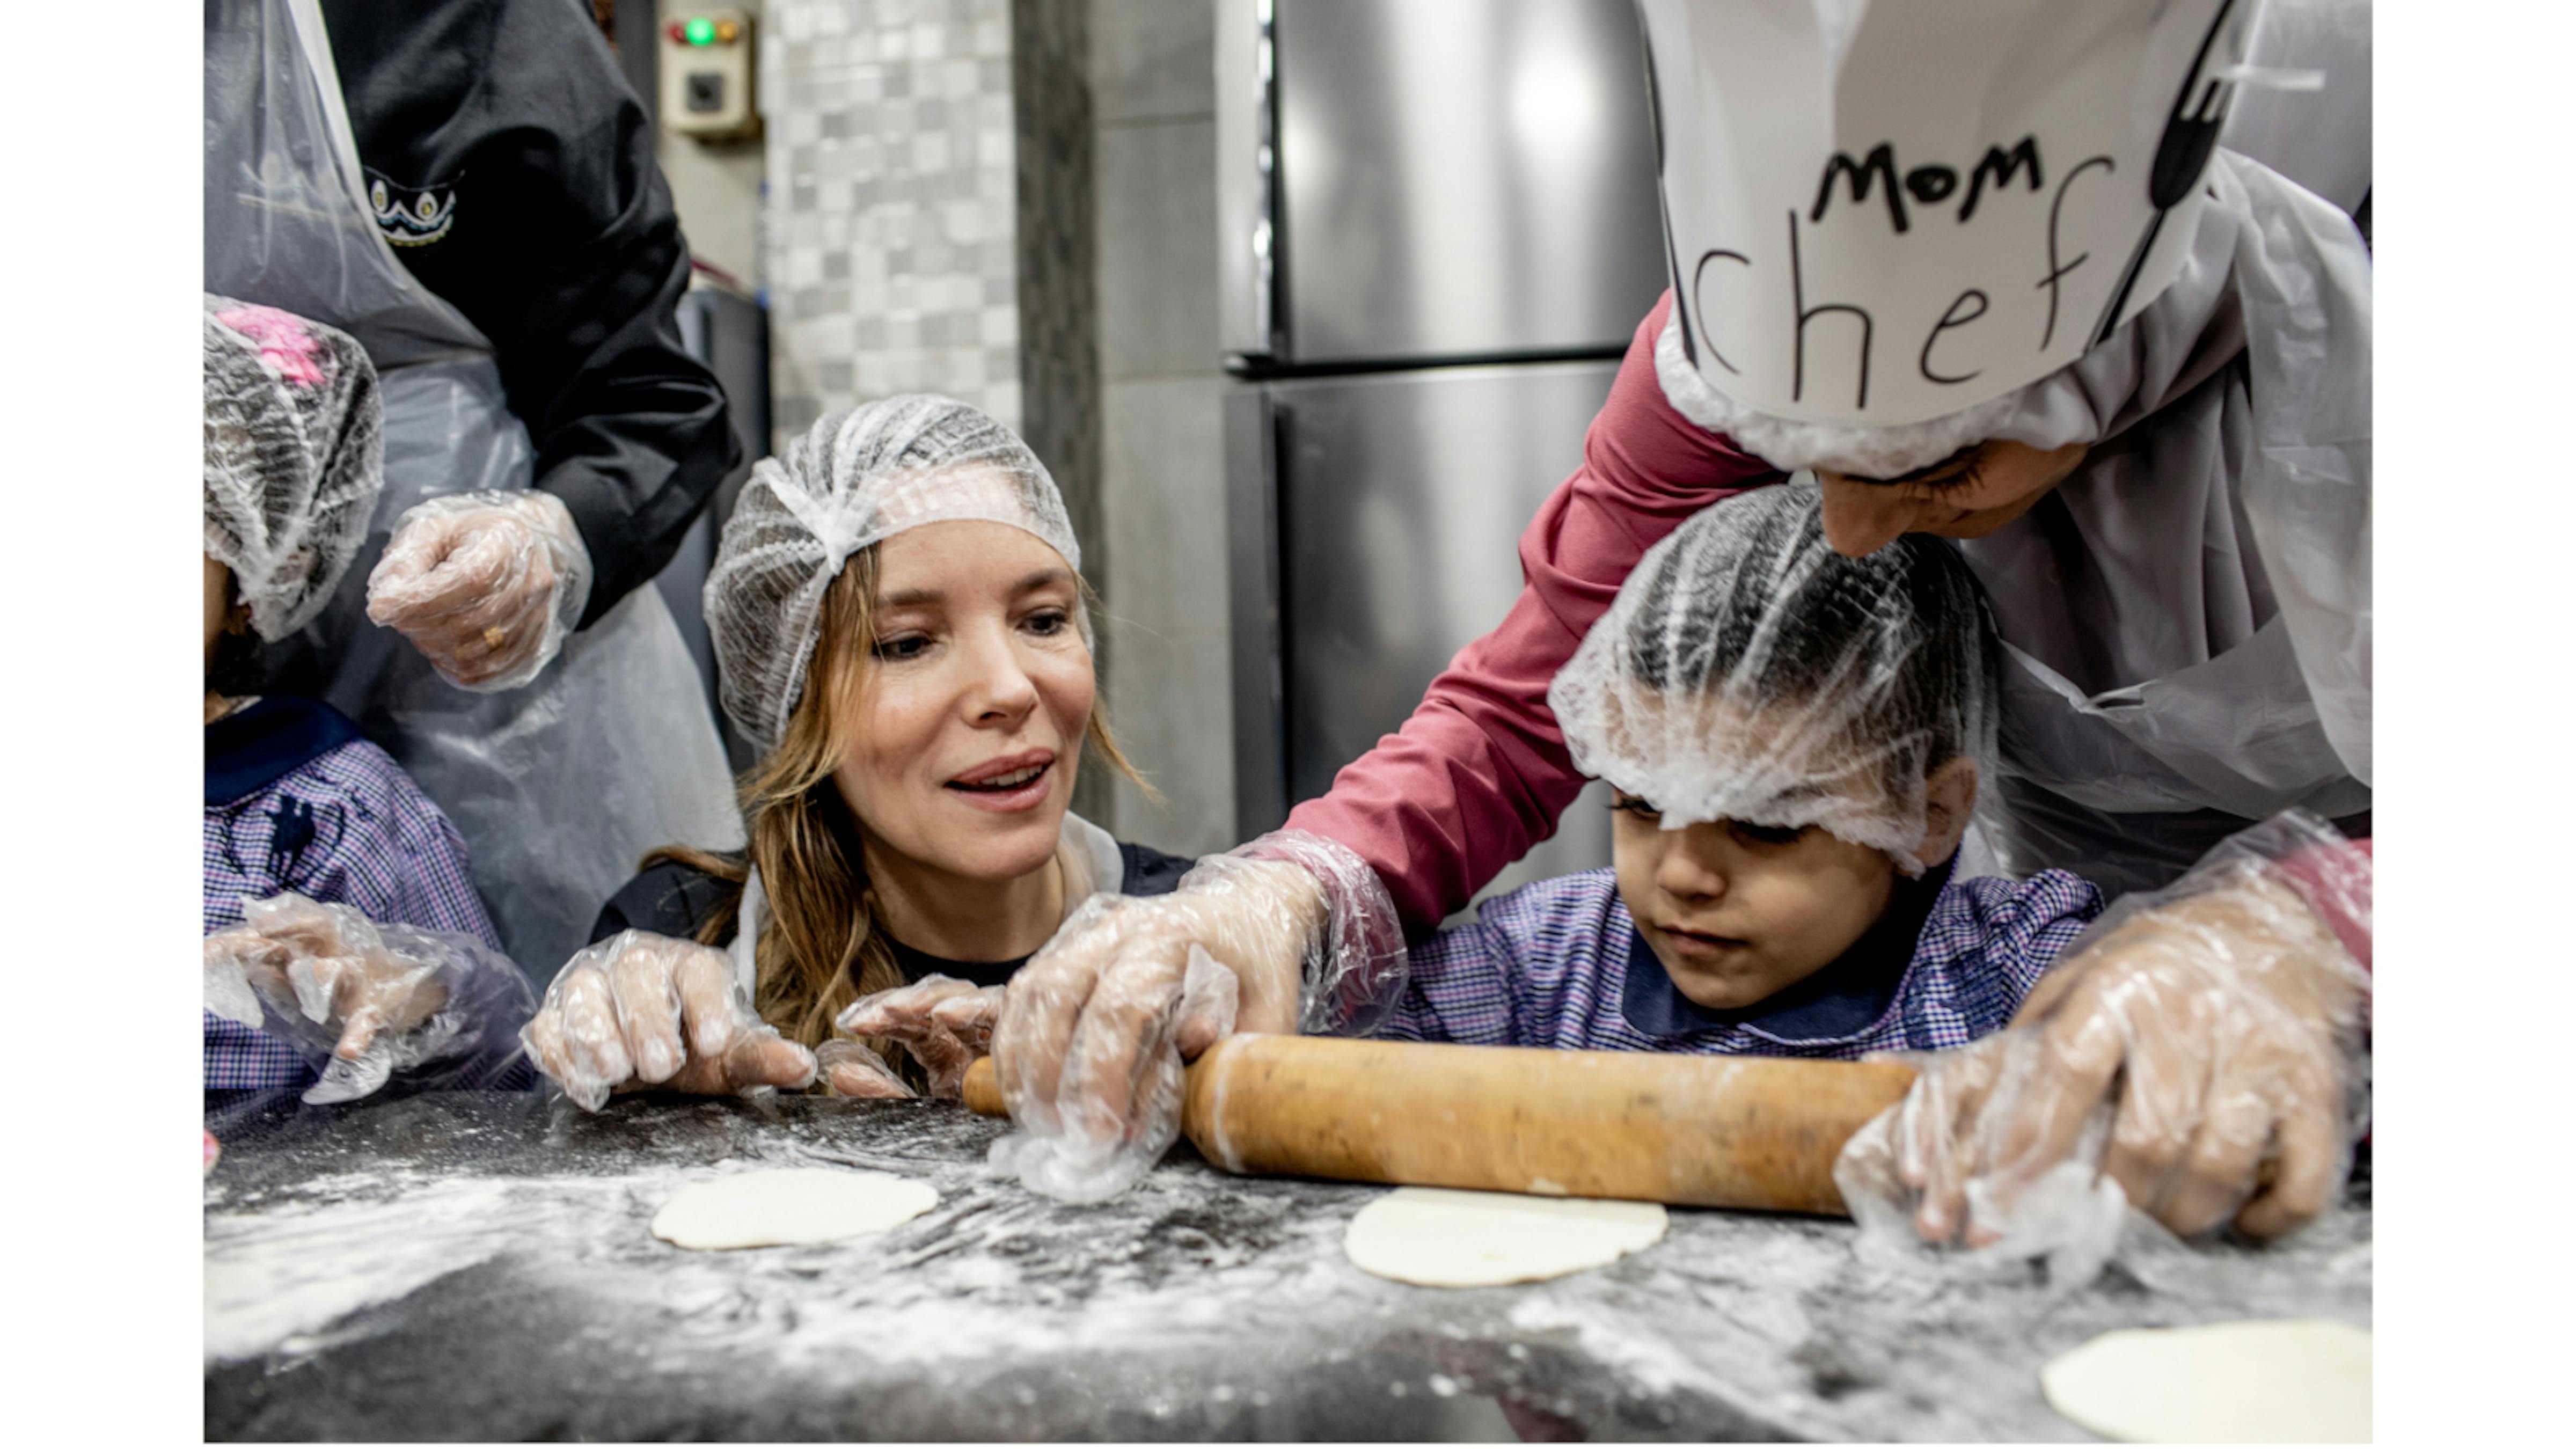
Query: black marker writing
x: 1950, y: 319
x: 2001, y: 164
x: 2056, y: 271
x: 1700, y: 309
x: 1798, y: 294
x: 1881, y: 161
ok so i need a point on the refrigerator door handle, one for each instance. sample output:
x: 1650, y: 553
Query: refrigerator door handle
x: 1247, y: 190
x: 1255, y: 434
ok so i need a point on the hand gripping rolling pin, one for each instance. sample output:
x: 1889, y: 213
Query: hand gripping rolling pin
x: 1735, y: 1132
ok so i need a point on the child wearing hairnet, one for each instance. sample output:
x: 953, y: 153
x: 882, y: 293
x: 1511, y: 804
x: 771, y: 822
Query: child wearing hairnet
x: 344, y: 940
x: 1796, y: 741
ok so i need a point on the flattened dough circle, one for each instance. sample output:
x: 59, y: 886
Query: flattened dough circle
x: 1442, y: 1237
x: 789, y: 1206
x: 2265, y: 1381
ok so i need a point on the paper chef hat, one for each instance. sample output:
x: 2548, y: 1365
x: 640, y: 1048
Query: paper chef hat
x: 1882, y: 213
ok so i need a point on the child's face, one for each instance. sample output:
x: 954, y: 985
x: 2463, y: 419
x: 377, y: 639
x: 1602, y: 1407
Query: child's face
x: 1737, y: 913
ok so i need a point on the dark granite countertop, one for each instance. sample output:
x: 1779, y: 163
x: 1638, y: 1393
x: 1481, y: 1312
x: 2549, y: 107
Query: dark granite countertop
x: 479, y: 1266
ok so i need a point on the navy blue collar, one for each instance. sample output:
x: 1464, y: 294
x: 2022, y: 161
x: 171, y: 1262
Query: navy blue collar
x: 1842, y: 1000
x: 256, y: 747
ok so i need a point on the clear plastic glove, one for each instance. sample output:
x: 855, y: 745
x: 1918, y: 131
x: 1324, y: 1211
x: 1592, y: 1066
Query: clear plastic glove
x: 851, y: 1069
x: 944, y: 1022
x: 1290, y: 933
x: 488, y: 585
x: 378, y: 998
x: 640, y: 1012
x: 2200, y: 1050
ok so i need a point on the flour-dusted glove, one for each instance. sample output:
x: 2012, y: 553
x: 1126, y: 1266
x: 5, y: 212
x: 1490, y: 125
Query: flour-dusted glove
x: 377, y: 997
x: 641, y: 1012
x: 2200, y: 1054
x: 488, y: 585
x: 943, y: 1022
x: 1292, y: 932
x: 849, y: 1068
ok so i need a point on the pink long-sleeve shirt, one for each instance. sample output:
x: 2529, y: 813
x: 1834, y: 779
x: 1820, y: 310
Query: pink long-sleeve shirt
x: 1480, y: 773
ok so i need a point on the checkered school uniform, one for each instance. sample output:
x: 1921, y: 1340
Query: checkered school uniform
x: 1547, y: 966
x: 345, y: 826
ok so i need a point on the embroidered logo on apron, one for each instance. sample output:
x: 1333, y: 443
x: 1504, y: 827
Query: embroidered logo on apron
x: 411, y: 216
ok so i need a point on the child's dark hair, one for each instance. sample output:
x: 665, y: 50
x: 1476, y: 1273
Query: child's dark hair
x: 237, y: 671
x: 1807, y: 616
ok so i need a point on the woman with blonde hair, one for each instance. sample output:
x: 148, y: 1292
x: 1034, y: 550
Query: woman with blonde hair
x: 902, y: 627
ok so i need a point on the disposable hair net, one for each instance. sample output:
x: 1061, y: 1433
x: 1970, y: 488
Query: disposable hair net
x: 853, y: 479
x: 1748, y: 672
x: 294, y: 457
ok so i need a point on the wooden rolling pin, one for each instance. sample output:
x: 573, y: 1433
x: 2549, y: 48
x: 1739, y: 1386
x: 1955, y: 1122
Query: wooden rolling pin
x: 1736, y: 1132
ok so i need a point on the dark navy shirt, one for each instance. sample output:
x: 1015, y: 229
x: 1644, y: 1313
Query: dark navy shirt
x: 672, y: 899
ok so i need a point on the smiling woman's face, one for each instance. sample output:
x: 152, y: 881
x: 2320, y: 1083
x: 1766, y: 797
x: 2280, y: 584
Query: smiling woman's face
x: 1967, y: 495
x: 971, y: 709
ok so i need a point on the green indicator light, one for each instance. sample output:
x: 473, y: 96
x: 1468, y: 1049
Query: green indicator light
x: 701, y: 31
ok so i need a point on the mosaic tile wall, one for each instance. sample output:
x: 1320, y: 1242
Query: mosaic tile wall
x: 892, y: 261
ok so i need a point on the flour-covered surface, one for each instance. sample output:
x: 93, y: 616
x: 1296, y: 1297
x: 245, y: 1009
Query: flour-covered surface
x: 480, y: 1266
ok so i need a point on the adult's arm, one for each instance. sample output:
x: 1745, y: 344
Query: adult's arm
x: 1480, y: 773
x: 563, y: 248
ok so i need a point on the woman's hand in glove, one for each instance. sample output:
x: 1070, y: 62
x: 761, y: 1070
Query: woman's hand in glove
x: 640, y: 1011
x: 487, y: 585
x: 2221, y: 1030
x: 944, y: 1022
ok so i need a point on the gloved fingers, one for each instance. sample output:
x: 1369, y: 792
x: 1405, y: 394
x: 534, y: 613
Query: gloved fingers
x: 411, y: 554
x: 648, y: 1011
x: 594, y: 1047
x: 970, y: 1017
x: 2307, y: 1163
x: 2216, y: 1175
x: 766, y: 1059
x: 1044, y: 1005
x: 849, y: 1069
x: 2163, y: 1109
x: 883, y: 1013
x: 2036, y: 1117
x: 543, y: 1038
x: 1127, y: 1028
x: 1209, y: 995
x: 1934, y: 1127
x: 712, y: 1013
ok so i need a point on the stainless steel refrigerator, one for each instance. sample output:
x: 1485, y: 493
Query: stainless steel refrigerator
x: 1438, y: 231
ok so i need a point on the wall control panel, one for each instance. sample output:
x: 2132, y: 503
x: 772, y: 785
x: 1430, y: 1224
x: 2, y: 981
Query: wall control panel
x: 706, y: 73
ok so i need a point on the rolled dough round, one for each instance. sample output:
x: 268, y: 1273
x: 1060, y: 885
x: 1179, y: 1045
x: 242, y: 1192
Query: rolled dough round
x: 1444, y: 1238
x: 2266, y: 1381
x: 788, y: 1206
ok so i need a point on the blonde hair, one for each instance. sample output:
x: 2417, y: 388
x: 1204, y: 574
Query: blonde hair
x: 816, y: 953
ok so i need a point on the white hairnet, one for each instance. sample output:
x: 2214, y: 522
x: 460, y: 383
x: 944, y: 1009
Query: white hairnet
x: 1748, y: 672
x: 294, y: 457
x: 853, y: 479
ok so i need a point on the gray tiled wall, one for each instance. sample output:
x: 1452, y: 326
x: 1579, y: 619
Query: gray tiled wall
x: 891, y: 262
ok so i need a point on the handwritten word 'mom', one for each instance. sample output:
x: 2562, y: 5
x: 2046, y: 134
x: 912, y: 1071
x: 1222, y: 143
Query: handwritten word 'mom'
x: 1929, y: 185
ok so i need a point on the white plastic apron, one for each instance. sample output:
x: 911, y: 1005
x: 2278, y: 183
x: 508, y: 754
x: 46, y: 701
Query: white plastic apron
x: 2245, y: 499
x: 558, y: 787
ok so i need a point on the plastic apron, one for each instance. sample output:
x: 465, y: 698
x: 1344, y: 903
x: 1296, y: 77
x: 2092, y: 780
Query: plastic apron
x: 2247, y: 498
x: 558, y: 787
